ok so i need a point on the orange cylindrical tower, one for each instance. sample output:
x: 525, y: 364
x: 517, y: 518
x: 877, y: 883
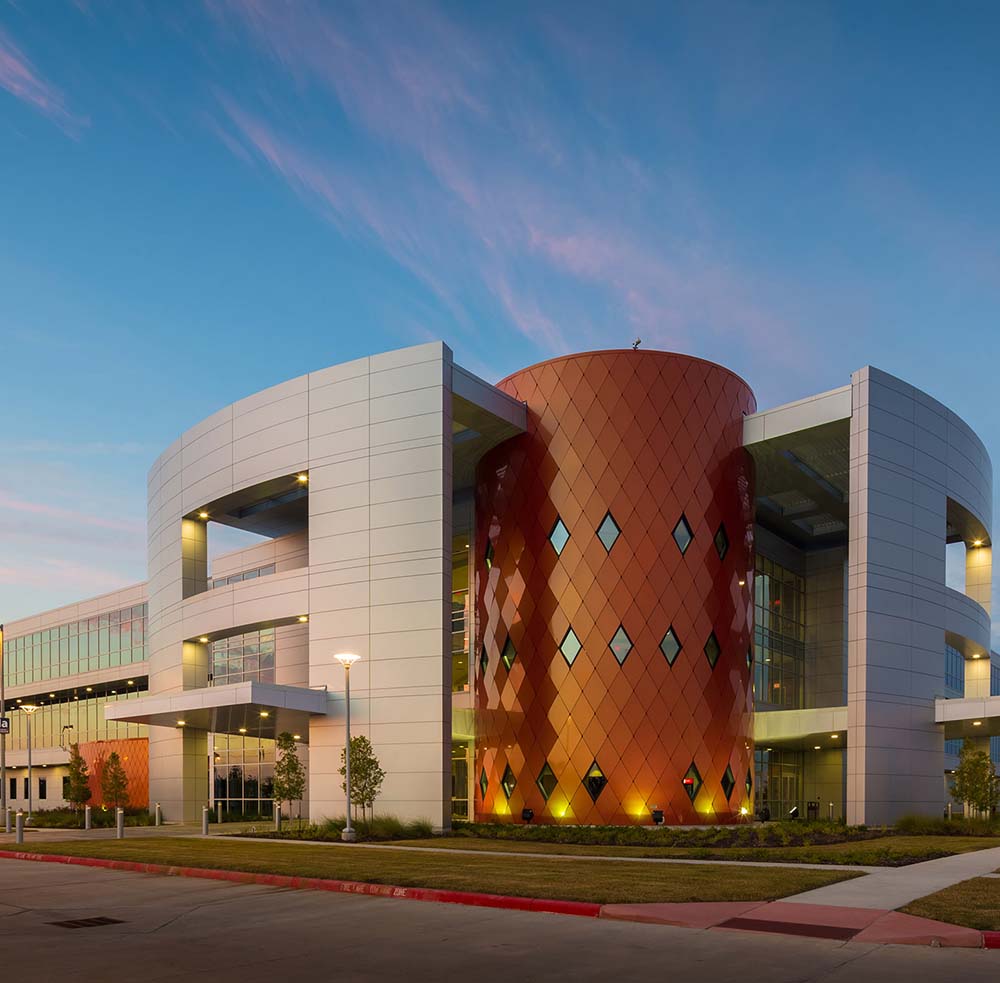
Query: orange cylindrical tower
x: 614, y: 557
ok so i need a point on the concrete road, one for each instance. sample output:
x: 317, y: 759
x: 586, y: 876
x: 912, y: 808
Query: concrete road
x: 173, y: 928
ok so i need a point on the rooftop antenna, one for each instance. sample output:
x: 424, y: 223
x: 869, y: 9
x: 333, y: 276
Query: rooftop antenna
x: 636, y: 343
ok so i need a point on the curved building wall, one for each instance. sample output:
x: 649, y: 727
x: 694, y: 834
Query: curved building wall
x: 647, y: 437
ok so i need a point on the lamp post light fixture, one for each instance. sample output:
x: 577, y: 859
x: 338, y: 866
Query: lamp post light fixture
x: 29, y: 709
x: 347, y: 659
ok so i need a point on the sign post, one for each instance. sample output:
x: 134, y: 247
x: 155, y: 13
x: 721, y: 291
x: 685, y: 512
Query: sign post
x: 4, y: 730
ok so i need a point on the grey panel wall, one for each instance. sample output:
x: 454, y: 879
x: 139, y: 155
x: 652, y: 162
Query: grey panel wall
x: 909, y: 454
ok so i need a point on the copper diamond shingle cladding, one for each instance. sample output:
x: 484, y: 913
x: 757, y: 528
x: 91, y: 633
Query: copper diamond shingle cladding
x: 647, y: 437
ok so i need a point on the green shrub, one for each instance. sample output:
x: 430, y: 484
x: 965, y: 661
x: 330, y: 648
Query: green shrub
x: 377, y: 829
x: 938, y: 826
x: 99, y: 818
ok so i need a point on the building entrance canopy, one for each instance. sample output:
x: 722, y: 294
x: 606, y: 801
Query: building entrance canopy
x: 252, y: 708
x: 969, y: 717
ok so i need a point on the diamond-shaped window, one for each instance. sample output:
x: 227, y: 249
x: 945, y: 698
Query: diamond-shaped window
x: 484, y: 661
x: 692, y: 782
x: 749, y: 657
x: 509, y: 654
x: 570, y: 646
x: 608, y: 532
x: 728, y: 782
x: 620, y: 645
x: 508, y: 783
x: 559, y: 536
x: 670, y: 646
x: 748, y: 784
x: 682, y: 534
x: 712, y: 650
x: 721, y: 542
x: 483, y: 783
x: 546, y: 781
x: 489, y: 554
x: 594, y: 781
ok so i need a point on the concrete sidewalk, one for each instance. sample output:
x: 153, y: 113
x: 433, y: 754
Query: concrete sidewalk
x: 893, y: 887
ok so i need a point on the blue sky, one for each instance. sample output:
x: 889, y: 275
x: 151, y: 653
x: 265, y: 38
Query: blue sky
x: 200, y: 199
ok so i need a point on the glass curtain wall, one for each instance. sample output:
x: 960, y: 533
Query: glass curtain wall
x: 461, y: 750
x: 243, y: 777
x: 115, y: 638
x: 243, y: 657
x: 778, y: 786
x: 85, y: 717
x: 779, y: 636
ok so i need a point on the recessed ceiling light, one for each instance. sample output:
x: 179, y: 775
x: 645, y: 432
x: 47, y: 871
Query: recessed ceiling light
x: 180, y: 723
x: 296, y: 737
x: 202, y: 515
x: 977, y: 655
x: 835, y: 736
x: 977, y: 723
x: 243, y: 730
x: 817, y: 748
x: 264, y: 713
x: 977, y: 542
x: 303, y: 618
x: 302, y: 478
x: 131, y: 682
x: 203, y: 639
x: 90, y: 689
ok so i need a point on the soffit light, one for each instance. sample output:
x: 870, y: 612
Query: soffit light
x: 977, y: 655
x: 303, y: 618
x: 181, y: 723
x: 302, y: 478
x: 835, y: 736
x: 90, y: 689
x: 977, y: 723
x: 264, y: 713
x: 131, y: 682
x: 977, y: 542
x: 817, y: 748
x: 296, y: 737
x: 243, y: 730
x: 203, y: 639
x: 202, y: 515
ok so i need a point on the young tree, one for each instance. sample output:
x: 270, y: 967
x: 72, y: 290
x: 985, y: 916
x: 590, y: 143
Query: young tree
x: 114, y: 782
x: 366, y: 775
x: 976, y: 782
x: 78, y: 791
x: 289, y: 775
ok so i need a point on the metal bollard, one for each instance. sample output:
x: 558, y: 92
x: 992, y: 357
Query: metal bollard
x: 8, y: 819
x: 218, y: 813
x: 277, y: 818
x: 120, y: 824
x: 19, y: 835
x: 831, y: 812
x: 949, y: 810
x: 159, y: 815
x: 86, y: 817
x: 204, y: 820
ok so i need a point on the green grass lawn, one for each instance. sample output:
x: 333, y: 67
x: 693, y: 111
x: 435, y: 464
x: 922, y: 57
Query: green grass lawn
x: 581, y: 880
x: 974, y: 903
x: 888, y: 851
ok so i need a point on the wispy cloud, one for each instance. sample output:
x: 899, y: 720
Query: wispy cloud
x: 21, y: 79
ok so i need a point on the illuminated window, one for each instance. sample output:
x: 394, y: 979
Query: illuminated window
x: 546, y: 781
x: 728, y: 782
x: 721, y: 542
x: 508, y: 783
x: 621, y: 645
x: 682, y: 534
x: 483, y: 783
x: 570, y: 646
x: 594, y: 781
x: 692, y: 782
x: 608, y: 532
x: 670, y: 646
x: 712, y: 650
x: 484, y: 661
x: 509, y: 654
x: 559, y: 536
x: 489, y: 554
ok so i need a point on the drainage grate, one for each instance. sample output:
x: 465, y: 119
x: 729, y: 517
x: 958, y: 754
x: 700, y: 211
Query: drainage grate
x: 88, y: 922
x: 791, y: 928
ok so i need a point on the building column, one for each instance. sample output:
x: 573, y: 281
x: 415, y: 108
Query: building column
x: 979, y: 576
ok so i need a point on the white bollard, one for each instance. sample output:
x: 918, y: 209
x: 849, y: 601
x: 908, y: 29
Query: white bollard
x: 120, y: 824
x: 277, y: 818
x: 19, y: 835
x: 86, y: 817
x: 9, y: 818
x: 159, y: 815
x: 218, y: 813
x: 204, y: 820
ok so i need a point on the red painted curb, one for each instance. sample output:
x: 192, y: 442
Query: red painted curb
x: 585, y: 909
x: 991, y: 940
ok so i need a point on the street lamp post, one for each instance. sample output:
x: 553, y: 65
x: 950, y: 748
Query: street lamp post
x: 29, y: 709
x: 347, y: 659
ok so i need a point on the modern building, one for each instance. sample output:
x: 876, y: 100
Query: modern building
x: 606, y: 587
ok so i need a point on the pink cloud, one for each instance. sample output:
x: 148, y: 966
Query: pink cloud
x: 20, y: 78
x: 57, y: 514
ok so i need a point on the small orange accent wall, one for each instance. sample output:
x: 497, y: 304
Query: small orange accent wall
x: 134, y: 755
x: 648, y: 437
